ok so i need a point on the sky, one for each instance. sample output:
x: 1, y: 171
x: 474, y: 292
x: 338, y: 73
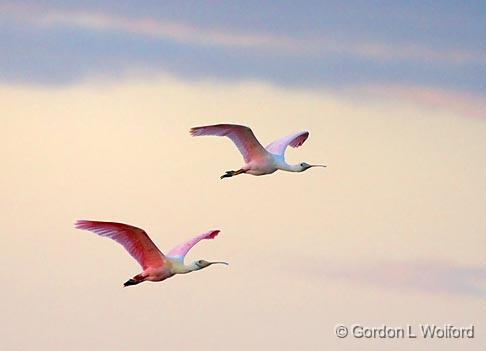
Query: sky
x: 97, y: 99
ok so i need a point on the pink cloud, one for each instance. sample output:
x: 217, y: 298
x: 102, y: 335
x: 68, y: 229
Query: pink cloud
x: 453, y: 101
x: 424, y: 276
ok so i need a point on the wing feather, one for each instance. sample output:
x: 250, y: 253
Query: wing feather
x: 133, y: 239
x: 279, y: 146
x: 242, y: 136
x: 180, y: 251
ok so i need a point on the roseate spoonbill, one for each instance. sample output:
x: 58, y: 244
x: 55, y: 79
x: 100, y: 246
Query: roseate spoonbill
x: 156, y: 266
x: 259, y: 160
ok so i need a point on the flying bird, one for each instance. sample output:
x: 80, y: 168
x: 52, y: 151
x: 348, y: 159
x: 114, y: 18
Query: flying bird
x: 156, y: 266
x: 259, y: 160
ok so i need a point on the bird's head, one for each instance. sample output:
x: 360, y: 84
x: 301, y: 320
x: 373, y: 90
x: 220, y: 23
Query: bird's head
x: 305, y: 166
x: 200, y: 264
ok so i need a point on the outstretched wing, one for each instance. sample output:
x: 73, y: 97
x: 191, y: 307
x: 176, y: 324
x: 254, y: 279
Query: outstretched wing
x: 180, y: 251
x: 279, y: 146
x: 133, y: 239
x: 242, y: 136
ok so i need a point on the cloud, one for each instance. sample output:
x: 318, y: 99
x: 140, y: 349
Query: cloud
x: 454, y: 101
x: 74, y: 44
x: 433, y: 277
x: 318, y: 45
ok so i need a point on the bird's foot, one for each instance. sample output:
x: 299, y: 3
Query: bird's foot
x: 131, y: 282
x: 227, y: 174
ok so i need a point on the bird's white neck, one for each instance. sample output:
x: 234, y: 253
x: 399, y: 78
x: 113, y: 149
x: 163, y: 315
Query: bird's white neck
x: 181, y: 268
x: 290, y: 168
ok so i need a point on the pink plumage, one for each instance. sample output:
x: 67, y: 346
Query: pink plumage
x: 295, y: 140
x: 133, y: 239
x: 299, y: 140
x: 180, y: 251
x: 242, y: 136
x: 156, y: 266
x: 258, y: 160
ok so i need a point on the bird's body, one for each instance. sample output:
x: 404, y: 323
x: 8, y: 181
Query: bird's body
x: 257, y: 166
x: 156, y: 266
x: 259, y: 160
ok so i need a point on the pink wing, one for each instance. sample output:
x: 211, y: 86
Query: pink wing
x: 180, y: 251
x: 133, y: 239
x: 278, y: 147
x: 242, y: 136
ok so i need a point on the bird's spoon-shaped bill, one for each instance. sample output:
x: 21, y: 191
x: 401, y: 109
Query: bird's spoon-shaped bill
x: 226, y: 263
x: 318, y: 165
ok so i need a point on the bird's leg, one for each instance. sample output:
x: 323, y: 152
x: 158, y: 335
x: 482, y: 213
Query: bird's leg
x: 232, y: 173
